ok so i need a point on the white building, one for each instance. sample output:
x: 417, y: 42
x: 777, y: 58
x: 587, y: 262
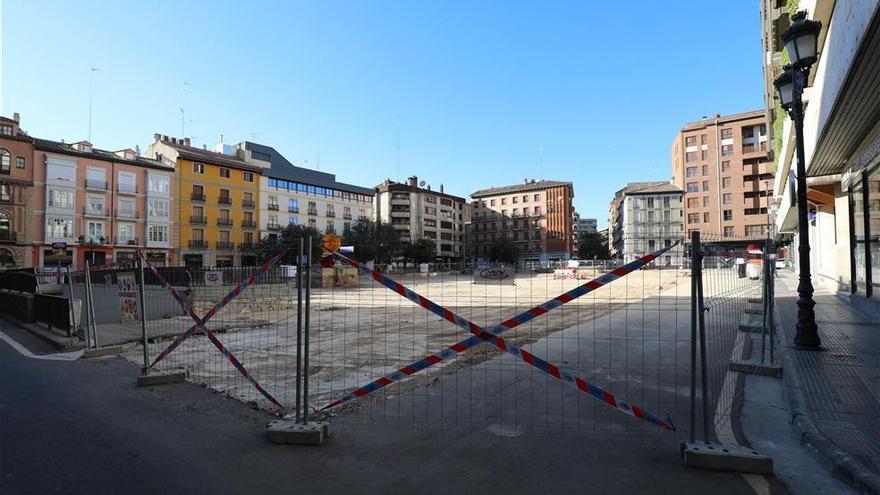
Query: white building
x: 645, y: 216
x: 297, y: 195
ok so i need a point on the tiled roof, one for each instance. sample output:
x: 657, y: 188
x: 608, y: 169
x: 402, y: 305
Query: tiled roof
x: 531, y: 186
x: 657, y: 187
x: 97, y: 154
x: 208, y: 156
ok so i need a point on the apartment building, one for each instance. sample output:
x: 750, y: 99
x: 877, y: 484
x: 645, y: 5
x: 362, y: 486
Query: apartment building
x: 537, y: 215
x: 416, y: 212
x: 216, y: 213
x: 584, y: 225
x: 841, y: 144
x: 724, y: 168
x: 644, y: 217
x: 16, y: 189
x: 298, y: 195
x: 98, y: 206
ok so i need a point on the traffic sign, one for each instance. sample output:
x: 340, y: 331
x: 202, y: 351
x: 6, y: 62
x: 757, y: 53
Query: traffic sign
x: 331, y: 242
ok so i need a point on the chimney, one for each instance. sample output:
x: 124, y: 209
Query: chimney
x: 441, y: 188
x: 16, y: 117
x: 414, y: 181
x: 186, y: 141
x: 137, y: 150
x: 205, y: 147
x: 221, y: 138
x: 157, y: 137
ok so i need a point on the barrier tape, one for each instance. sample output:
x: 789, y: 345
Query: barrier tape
x: 491, y: 336
x: 200, y: 322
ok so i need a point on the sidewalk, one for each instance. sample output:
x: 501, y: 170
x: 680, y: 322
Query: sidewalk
x: 834, y: 394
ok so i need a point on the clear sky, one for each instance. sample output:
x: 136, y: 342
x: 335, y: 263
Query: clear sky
x: 478, y: 88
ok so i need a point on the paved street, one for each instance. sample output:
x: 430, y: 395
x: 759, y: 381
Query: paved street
x: 82, y: 427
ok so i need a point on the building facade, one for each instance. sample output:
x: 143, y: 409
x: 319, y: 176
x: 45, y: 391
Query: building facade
x: 98, y: 206
x: 644, y: 217
x: 216, y: 214
x: 726, y: 172
x: 417, y: 212
x: 16, y: 190
x: 297, y: 195
x: 536, y: 215
x: 841, y: 144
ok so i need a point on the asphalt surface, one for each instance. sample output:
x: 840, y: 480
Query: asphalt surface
x: 83, y: 427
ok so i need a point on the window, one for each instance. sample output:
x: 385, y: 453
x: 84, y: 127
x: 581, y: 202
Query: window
x: 666, y: 201
x: 59, y: 172
x: 537, y: 210
x: 198, y: 168
x: 536, y: 197
x: 690, y: 141
x: 525, y: 198
x: 125, y: 233
x: 5, y: 192
x: 125, y: 208
x: 157, y: 207
x: 728, y: 215
x: 59, y: 198
x: 725, y: 182
x: 756, y: 230
x: 725, y: 166
x: 726, y: 198
x: 6, y: 130
x: 729, y: 231
x: 158, y: 183
x: 690, y: 156
x: 693, y: 218
x: 293, y: 220
x: 313, y: 224
x: 726, y: 134
x: 726, y: 149
x: 705, y: 185
x: 705, y: 200
x: 693, y: 202
x: 59, y: 228
x: 293, y: 205
x: 430, y: 210
x: 702, y: 139
x: 248, y: 176
x: 693, y: 187
x: 224, y: 172
x: 706, y: 217
x: 96, y: 231
x: 198, y: 234
x: 5, y: 161
x: 126, y: 182
x: 491, y: 202
x: 705, y: 170
x: 430, y: 199
x: 504, y: 201
x: 19, y: 162
x: 95, y: 205
x: 691, y: 172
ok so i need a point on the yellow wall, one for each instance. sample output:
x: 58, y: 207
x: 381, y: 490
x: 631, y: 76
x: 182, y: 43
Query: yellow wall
x: 212, y: 183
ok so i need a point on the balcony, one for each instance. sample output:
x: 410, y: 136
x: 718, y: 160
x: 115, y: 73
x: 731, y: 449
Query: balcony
x: 126, y: 241
x: 133, y: 215
x: 247, y: 246
x: 293, y: 209
x: 198, y: 219
x: 272, y: 207
x: 126, y: 188
x: 346, y: 216
x: 198, y: 243
x: 7, y: 235
x: 273, y: 227
x: 197, y: 196
x: 313, y: 211
x: 224, y: 221
x: 96, y: 185
x: 248, y: 224
x: 247, y: 203
x: 225, y: 245
x: 331, y: 214
x: 96, y: 212
x: 224, y: 200
x: 754, y: 148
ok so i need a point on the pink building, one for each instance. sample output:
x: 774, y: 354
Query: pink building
x: 98, y: 206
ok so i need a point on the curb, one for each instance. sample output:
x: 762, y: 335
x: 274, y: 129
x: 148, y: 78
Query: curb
x: 842, y: 465
x: 58, y: 341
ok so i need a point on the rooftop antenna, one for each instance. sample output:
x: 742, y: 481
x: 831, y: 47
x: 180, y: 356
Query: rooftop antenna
x: 318, y: 160
x: 182, y: 111
x: 541, y: 162
x: 92, y: 71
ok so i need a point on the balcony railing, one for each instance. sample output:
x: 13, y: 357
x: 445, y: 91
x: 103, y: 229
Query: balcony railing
x: 346, y: 216
x: 98, y: 185
x: 126, y: 188
x: 197, y: 196
x: 7, y: 235
x: 331, y: 213
x: 198, y: 219
x: 225, y: 245
x: 273, y: 226
x: 752, y: 148
x: 248, y: 224
x: 224, y: 200
x: 293, y: 209
x: 127, y: 214
x: 247, y: 203
x: 198, y: 243
x: 247, y: 246
x: 96, y: 212
x: 313, y: 211
x: 272, y: 207
x: 224, y: 221
x: 127, y: 241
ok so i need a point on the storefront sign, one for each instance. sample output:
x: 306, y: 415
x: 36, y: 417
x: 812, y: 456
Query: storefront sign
x: 213, y: 278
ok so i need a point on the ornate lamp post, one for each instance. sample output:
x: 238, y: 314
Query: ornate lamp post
x: 801, y: 40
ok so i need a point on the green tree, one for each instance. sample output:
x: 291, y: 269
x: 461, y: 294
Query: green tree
x: 592, y: 245
x: 421, y: 251
x: 288, y: 240
x: 503, y: 250
x: 372, y: 241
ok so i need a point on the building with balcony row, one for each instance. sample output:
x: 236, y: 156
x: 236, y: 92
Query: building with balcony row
x: 644, y: 217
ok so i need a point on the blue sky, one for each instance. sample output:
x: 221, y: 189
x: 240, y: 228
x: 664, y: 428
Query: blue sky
x: 478, y: 88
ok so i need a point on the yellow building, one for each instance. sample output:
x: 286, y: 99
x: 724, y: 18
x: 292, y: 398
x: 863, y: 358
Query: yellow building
x: 216, y: 204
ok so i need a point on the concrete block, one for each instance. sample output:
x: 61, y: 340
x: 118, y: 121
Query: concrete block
x: 725, y: 457
x: 755, y: 367
x: 294, y: 433
x: 104, y: 351
x: 161, y: 378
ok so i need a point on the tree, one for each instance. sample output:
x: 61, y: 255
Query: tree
x: 592, y: 245
x: 372, y: 241
x: 503, y: 251
x: 421, y: 251
x: 288, y: 240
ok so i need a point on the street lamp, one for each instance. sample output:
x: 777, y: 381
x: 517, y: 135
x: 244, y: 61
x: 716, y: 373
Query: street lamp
x: 801, y: 41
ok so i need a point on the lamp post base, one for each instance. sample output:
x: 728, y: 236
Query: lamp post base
x: 807, y: 338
